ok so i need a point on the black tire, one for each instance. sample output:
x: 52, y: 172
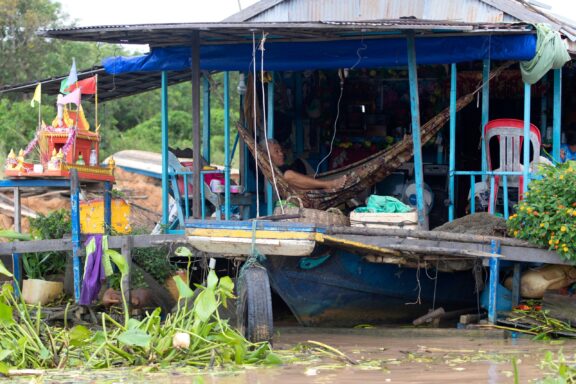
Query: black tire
x: 254, y: 308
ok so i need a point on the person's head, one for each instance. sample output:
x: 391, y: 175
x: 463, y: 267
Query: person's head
x: 276, y: 152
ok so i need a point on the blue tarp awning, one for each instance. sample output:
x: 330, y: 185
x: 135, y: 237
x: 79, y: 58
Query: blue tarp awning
x: 367, y: 53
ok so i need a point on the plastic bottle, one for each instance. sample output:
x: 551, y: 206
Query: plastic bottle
x: 93, y: 161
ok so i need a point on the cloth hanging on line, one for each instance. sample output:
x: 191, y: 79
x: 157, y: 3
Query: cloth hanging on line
x: 94, y: 271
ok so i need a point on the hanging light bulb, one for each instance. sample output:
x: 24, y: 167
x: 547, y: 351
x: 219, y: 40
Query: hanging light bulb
x: 241, y: 85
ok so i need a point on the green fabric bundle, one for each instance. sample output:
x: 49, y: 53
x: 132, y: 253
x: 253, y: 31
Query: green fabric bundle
x: 551, y: 52
x: 383, y: 204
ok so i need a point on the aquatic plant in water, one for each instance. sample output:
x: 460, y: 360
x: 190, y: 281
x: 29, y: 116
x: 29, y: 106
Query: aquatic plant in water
x: 26, y: 341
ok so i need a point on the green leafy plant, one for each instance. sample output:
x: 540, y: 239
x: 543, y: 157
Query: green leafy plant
x: 547, y: 215
x: 27, y: 341
x: 51, y: 226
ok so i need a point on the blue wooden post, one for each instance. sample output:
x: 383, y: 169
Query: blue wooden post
x: 417, y: 144
x: 270, y: 133
x: 472, y: 194
x: 485, y: 110
x: 16, y: 257
x: 557, y: 117
x: 527, y: 143
x: 206, y: 119
x: 452, y: 160
x: 226, y: 145
x: 298, y: 115
x: 493, y: 283
x: 505, y: 190
x: 164, y: 134
x: 107, y: 207
x: 75, y: 218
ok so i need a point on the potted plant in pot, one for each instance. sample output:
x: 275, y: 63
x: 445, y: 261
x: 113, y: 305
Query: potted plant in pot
x: 45, y: 265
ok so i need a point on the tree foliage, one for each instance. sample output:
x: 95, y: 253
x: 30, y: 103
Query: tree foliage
x: 129, y: 123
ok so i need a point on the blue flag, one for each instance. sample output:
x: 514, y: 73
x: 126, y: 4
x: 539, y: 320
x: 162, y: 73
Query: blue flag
x: 73, y: 76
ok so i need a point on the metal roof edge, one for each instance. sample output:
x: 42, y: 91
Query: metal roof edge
x: 253, y: 10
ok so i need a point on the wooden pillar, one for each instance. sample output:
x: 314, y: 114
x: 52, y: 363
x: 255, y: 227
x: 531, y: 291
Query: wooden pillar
x: 196, y: 133
x: 452, y: 160
x: 557, y: 115
x: 164, y: 108
x: 417, y: 143
x: 75, y: 218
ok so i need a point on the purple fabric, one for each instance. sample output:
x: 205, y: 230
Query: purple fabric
x: 93, y: 272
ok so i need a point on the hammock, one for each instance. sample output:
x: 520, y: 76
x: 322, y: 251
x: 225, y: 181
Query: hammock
x: 364, y: 173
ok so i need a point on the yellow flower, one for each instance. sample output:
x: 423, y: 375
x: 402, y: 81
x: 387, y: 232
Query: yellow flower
x: 565, y: 249
x: 542, y: 225
x: 557, y: 242
x: 550, y: 241
x: 528, y: 210
x: 561, y: 177
x: 563, y: 228
x: 515, y: 233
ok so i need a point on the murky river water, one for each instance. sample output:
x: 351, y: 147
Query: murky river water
x: 399, y: 355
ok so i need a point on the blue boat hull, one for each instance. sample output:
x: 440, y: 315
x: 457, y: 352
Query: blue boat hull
x: 345, y: 290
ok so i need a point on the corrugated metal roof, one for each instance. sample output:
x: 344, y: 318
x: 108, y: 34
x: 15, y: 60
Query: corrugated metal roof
x: 235, y: 33
x: 109, y: 86
x: 472, y: 11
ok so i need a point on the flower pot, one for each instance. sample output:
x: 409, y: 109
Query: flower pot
x: 36, y: 291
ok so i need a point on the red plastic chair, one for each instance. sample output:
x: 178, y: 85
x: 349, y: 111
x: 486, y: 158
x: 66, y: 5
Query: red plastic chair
x: 510, y: 135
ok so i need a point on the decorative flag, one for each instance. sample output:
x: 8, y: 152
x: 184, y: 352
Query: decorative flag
x: 87, y: 86
x: 37, y: 93
x: 63, y: 86
x: 73, y: 76
x: 71, y: 98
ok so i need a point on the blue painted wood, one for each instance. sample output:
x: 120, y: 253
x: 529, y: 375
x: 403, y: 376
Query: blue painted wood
x: 65, y: 183
x: 452, y: 160
x: 17, y: 272
x: 493, y: 282
x: 206, y: 119
x: 417, y: 143
x: 266, y: 225
x: 472, y: 194
x: 485, y: 109
x: 557, y: 115
x: 505, y: 191
x: 544, y: 107
x: 164, y: 134
x: 527, y: 145
x: 270, y: 133
x: 490, y: 173
x: 227, y: 145
x: 339, y: 291
x: 75, y: 219
x: 107, y: 207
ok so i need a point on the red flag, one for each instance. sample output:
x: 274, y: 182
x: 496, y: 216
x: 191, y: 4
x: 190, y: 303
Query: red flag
x: 87, y: 86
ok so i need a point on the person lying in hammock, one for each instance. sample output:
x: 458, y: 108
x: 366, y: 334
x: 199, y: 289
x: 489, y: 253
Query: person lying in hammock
x: 295, y: 173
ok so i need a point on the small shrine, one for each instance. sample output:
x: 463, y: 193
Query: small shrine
x: 67, y: 143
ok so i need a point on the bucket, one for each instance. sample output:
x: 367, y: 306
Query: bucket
x: 35, y: 291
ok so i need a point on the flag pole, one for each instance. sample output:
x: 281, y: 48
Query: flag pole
x: 40, y: 109
x: 96, y: 106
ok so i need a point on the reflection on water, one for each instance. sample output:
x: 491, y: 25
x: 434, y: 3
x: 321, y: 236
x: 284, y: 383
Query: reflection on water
x: 400, y: 355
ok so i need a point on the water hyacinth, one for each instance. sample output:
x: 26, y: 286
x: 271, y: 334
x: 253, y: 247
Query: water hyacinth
x: 194, y: 336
